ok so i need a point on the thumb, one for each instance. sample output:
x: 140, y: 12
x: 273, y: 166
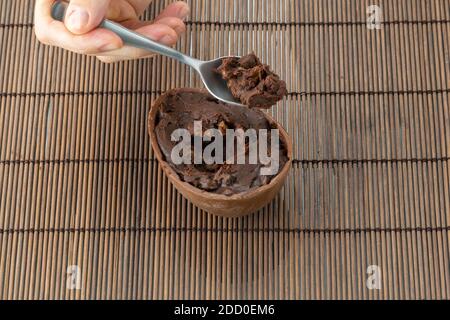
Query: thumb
x: 85, y: 15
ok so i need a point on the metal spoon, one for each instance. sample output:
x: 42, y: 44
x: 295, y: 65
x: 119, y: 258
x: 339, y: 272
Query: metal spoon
x: 213, y: 81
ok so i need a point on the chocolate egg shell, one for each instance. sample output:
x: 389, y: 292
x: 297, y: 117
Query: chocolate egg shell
x: 227, y: 206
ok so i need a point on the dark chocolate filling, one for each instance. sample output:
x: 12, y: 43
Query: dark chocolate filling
x: 180, y: 108
x: 252, y: 82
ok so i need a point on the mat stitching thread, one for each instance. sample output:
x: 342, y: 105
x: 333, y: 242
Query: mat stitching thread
x: 295, y: 161
x: 189, y: 229
x: 291, y: 94
x: 373, y: 161
x: 73, y: 161
x: 315, y: 23
x: 274, y: 23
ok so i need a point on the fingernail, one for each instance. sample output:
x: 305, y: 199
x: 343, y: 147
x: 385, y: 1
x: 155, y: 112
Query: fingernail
x: 77, y: 19
x: 184, y: 12
x: 180, y: 29
x: 166, y: 40
x: 109, y: 47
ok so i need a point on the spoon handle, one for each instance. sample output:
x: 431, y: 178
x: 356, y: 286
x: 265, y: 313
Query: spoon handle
x: 130, y: 37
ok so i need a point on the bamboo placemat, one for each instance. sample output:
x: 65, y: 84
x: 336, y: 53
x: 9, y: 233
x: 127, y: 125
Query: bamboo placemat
x: 368, y: 111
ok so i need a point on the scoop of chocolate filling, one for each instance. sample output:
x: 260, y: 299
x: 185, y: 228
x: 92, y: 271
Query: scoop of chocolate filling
x: 181, y: 108
x: 252, y: 82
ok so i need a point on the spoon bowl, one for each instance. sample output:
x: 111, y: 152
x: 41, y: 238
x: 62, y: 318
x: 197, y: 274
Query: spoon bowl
x: 214, y: 82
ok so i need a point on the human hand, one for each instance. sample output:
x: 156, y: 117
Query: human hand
x: 79, y: 32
